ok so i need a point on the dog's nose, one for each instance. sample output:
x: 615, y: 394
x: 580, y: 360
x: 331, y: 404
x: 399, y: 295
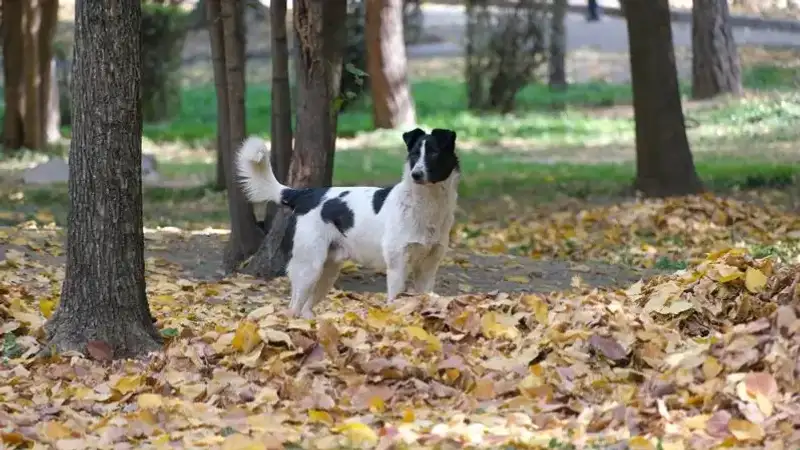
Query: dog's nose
x: 417, y: 176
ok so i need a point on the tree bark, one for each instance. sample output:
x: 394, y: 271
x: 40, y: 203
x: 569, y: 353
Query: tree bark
x: 32, y: 120
x: 664, y: 164
x: 103, y: 296
x: 245, y: 235
x: 715, y: 60
x: 49, y: 112
x: 321, y: 46
x: 281, y: 117
x: 221, y: 85
x: 557, y: 72
x: 392, y: 106
x: 13, y: 73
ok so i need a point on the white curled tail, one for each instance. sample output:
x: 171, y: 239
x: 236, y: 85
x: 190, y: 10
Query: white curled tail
x: 255, y: 172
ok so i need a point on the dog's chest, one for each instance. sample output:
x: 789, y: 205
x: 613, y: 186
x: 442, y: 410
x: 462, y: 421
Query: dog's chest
x: 425, y: 220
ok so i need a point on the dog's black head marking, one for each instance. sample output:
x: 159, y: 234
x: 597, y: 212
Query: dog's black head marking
x: 335, y: 211
x: 379, y: 197
x: 344, y: 194
x: 431, y: 157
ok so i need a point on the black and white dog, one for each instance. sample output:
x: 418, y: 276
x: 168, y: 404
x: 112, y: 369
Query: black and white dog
x: 403, y: 229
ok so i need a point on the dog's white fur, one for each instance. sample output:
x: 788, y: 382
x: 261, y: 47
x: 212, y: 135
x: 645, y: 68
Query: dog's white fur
x: 408, y: 238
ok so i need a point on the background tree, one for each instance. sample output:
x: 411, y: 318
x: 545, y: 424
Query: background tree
x: 715, y: 61
x: 664, y: 164
x: 392, y: 105
x: 226, y: 30
x: 321, y: 40
x: 28, y: 31
x: 103, y: 300
x: 281, y: 115
x: 557, y: 58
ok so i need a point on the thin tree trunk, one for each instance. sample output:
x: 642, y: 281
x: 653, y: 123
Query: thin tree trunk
x: 49, y: 20
x: 392, y: 106
x: 281, y: 117
x: 557, y: 73
x: 664, y: 164
x: 245, y: 235
x: 103, y: 297
x: 32, y: 120
x: 221, y: 85
x: 715, y: 60
x: 321, y: 41
x: 14, y: 74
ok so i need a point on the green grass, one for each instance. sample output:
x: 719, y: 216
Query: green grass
x: 442, y: 102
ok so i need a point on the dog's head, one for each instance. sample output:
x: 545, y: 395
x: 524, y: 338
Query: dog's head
x: 431, y: 157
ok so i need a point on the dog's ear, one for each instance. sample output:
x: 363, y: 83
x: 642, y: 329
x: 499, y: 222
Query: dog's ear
x: 445, y: 139
x: 411, y: 137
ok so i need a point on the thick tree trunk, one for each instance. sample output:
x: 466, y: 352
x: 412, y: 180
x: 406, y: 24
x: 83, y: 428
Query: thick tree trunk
x: 103, y: 296
x: 392, y: 106
x: 14, y: 74
x: 664, y: 164
x: 321, y: 41
x: 281, y: 118
x: 715, y: 61
x: 245, y: 235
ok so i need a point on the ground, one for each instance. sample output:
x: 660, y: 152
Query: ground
x: 571, y: 313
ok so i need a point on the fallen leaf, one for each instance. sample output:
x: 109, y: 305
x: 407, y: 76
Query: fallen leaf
x: 754, y: 280
x: 745, y: 431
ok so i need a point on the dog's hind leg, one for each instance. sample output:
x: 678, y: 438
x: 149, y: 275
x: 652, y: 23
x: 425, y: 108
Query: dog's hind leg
x: 328, y: 276
x: 425, y: 271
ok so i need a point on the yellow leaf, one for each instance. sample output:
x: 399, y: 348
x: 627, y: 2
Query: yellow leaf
x: 377, y: 405
x: 358, y: 433
x: 128, y: 384
x: 433, y: 342
x: 246, y: 337
x: 150, y: 401
x: 319, y: 416
x: 55, y: 431
x: 521, y: 279
x: 728, y: 273
x: 764, y: 404
x: 711, y: 368
x: 754, y: 280
x: 238, y: 441
x: 46, y: 306
x: 640, y: 443
x: 539, y: 307
x: 697, y: 422
x: 408, y: 415
x: 380, y: 318
x: 495, y: 325
x: 744, y: 430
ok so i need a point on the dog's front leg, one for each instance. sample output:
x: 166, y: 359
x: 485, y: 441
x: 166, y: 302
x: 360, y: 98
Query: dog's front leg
x: 396, y: 272
x: 425, y: 272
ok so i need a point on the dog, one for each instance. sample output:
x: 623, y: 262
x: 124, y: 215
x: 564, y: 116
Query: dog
x: 402, y: 229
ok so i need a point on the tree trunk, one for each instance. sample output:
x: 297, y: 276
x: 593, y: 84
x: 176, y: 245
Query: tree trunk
x: 322, y: 42
x: 28, y: 31
x: 557, y: 72
x: 245, y: 235
x: 664, y: 164
x: 221, y: 86
x: 392, y: 106
x: 103, y: 296
x: 715, y: 61
x: 281, y: 118
x: 14, y: 74
x: 48, y: 107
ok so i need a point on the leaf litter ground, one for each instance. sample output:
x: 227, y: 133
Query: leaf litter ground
x: 532, y: 354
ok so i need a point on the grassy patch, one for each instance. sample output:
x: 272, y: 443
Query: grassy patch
x: 443, y: 102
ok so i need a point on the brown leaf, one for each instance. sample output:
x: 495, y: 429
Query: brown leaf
x: 99, y: 350
x: 328, y: 336
x: 608, y: 347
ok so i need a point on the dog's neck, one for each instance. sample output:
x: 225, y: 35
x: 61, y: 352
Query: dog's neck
x: 446, y: 188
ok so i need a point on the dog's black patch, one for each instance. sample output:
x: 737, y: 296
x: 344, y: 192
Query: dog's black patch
x: 379, y: 197
x: 344, y: 194
x: 337, y: 212
x: 303, y: 200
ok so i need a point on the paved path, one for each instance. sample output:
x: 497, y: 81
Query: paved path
x: 608, y: 35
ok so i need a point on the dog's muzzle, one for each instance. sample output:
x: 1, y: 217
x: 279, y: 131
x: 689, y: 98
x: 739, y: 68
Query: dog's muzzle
x: 418, y: 177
